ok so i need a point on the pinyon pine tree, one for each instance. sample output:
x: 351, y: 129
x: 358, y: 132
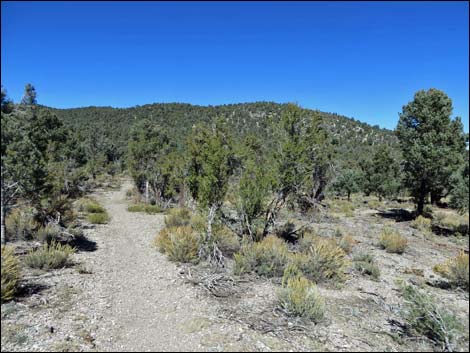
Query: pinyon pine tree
x: 433, y: 145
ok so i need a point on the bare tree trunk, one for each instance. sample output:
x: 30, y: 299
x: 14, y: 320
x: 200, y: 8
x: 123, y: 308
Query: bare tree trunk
x: 146, y: 191
x: 421, y: 199
x: 3, y: 211
x: 271, y: 215
x: 209, y: 249
x: 3, y: 223
x: 210, y: 219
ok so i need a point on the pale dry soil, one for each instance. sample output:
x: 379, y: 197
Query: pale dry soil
x: 136, y: 300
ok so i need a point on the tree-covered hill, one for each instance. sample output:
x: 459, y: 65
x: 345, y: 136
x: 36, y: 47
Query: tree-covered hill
x: 111, y: 126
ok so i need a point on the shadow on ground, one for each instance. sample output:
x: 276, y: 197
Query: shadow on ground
x: 397, y: 214
x: 82, y: 243
x: 28, y: 289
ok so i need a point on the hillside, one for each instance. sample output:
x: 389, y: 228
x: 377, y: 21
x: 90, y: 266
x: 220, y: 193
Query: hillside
x: 352, y: 137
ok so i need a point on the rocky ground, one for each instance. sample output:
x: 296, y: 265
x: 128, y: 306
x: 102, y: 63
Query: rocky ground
x: 122, y: 295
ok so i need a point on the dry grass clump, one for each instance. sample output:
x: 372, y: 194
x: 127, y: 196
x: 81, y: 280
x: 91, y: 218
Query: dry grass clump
x: 47, y: 234
x: 98, y: 218
x: 374, y: 204
x: 177, y: 217
x: 266, y: 258
x: 291, y: 271
x: 20, y: 224
x: 10, y: 273
x: 96, y: 213
x: 180, y: 244
x: 134, y: 195
x: 308, y: 240
x: 346, y: 243
x: 300, y: 297
x: 456, y: 270
x: 422, y: 224
x: 342, y: 206
x: 323, y: 260
x: 49, y: 256
x: 94, y: 207
x: 392, y: 241
x: 365, y: 264
x: 86, y: 204
x: 426, y: 318
x: 142, y: 207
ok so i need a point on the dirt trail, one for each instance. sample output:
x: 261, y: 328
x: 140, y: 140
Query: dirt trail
x: 147, y: 304
x: 134, y: 299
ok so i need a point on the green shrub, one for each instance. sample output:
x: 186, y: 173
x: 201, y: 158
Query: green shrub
x: 426, y: 318
x: 177, y: 217
x: 456, y: 270
x: 198, y: 223
x: 10, y: 273
x: 20, y: 224
x: 301, y: 298
x: 94, y: 207
x: 422, y: 224
x: 266, y: 258
x: 392, y: 241
x: 49, y: 256
x: 48, y: 233
x: 180, y: 244
x: 98, y: 218
x: 364, y: 263
x: 57, y: 207
x: 363, y: 257
x: 149, y: 209
x: 89, y: 205
x: 324, y: 260
x: 338, y: 232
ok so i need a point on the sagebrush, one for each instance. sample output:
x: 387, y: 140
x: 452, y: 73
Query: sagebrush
x: 10, y: 273
x: 300, y: 297
x: 266, y: 258
x: 49, y: 256
x: 392, y: 241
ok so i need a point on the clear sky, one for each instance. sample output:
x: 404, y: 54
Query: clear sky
x: 360, y: 59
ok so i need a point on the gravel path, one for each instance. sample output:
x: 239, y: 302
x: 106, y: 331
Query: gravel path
x: 147, y: 303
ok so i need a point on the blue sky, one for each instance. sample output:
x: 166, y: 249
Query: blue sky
x: 360, y: 59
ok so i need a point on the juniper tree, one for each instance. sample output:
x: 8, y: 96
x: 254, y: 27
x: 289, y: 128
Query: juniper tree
x: 433, y: 145
x: 147, y: 149
x: 6, y: 103
x: 211, y: 163
x: 320, y: 154
x: 297, y: 160
x: 30, y: 138
x: 347, y: 182
x: 459, y: 195
x: 380, y: 174
x: 255, y: 182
